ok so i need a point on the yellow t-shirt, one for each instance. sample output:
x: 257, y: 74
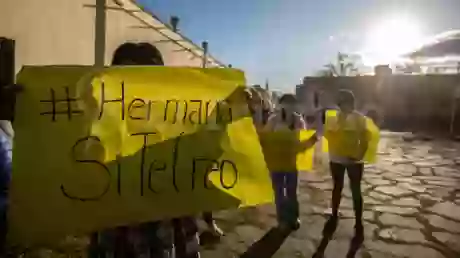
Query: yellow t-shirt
x: 345, y: 133
x: 280, y: 142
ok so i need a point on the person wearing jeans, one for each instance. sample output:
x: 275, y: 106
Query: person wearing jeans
x: 348, y: 142
x: 280, y: 150
x: 5, y: 177
x: 285, y: 190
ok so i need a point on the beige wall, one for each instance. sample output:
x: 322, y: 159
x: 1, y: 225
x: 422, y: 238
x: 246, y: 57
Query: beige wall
x: 49, y: 32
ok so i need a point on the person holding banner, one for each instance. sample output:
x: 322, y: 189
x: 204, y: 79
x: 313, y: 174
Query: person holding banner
x: 283, y: 131
x: 348, y: 141
x: 5, y: 176
x: 178, y: 236
x: 7, y: 97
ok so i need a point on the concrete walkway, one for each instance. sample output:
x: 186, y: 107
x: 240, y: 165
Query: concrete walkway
x: 412, y: 209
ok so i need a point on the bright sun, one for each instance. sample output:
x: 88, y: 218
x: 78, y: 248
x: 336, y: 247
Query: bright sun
x: 387, y: 41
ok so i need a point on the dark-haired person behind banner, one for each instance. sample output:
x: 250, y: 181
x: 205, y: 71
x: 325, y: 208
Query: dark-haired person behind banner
x: 166, y: 238
x: 280, y: 150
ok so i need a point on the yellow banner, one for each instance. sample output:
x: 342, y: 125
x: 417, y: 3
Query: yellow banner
x: 99, y: 148
x: 342, y: 140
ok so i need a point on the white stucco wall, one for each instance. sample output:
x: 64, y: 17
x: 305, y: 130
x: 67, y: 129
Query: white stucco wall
x: 49, y: 32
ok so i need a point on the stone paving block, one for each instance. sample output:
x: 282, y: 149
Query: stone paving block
x: 377, y: 181
x: 346, y: 229
x: 425, y: 164
x: 248, y: 234
x: 447, y: 172
x: 428, y: 196
x: 447, y: 209
x: 399, y: 221
x: 412, y: 187
x: 322, y: 186
x: 406, y: 169
x: 403, y: 250
x: 294, y: 247
x: 371, y: 176
x: 395, y: 210
x: 339, y: 248
x: 220, y: 252
x: 346, y: 192
x: 453, y: 183
x: 393, y: 190
x: 311, y: 228
x: 379, y: 196
x: 349, y: 213
x: 346, y: 203
x: 312, y: 177
x: 432, y: 178
x: 376, y: 254
x: 442, y: 223
x: 441, y: 192
x: 403, y: 235
x: 231, y: 242
x: 452, y: 241
x: 410, y: 180
x: 371, y: 201
x: 426, y: 171
x: 408, y: 201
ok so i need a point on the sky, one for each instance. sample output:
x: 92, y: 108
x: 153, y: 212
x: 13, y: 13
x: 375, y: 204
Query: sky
x: 284, y: 40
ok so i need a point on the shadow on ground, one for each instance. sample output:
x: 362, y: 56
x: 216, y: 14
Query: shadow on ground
x: 267, y: 245
x: 328, y: 231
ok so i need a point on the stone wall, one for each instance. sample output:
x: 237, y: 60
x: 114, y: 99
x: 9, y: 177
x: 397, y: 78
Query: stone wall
x: 406, y: 102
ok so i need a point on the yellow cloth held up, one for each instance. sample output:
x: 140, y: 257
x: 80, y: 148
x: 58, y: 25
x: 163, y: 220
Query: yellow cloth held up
x: 283, y: 150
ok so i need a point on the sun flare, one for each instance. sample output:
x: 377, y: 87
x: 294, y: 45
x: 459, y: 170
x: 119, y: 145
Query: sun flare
x: 385, y: 42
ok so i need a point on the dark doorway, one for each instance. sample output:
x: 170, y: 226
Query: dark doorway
x: 7, y: 78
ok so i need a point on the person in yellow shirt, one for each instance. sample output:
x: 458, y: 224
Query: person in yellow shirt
x: 280, y: 145
x: 347, y: 137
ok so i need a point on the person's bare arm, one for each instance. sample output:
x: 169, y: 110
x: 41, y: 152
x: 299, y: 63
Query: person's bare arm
x: 270, y: 125
x: 310, y: 142
x: 307, y: 144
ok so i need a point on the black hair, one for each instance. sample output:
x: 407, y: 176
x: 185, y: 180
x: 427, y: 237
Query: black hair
x: 290, y: 99
x: 346, y: 96
x: 137, y: 53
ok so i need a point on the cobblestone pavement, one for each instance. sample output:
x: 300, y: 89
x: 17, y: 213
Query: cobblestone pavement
x: 411, y: 203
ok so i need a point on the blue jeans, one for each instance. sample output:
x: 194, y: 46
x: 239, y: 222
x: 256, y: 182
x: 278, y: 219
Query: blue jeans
x: 285, y: 189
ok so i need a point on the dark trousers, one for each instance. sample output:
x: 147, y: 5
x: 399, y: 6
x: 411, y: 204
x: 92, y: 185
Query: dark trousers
x: 3, y: 231
x: 355, y: 174
x: 186, y: 240
x: 285, y: 191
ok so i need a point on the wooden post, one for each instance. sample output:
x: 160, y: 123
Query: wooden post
x: 99, y: 33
